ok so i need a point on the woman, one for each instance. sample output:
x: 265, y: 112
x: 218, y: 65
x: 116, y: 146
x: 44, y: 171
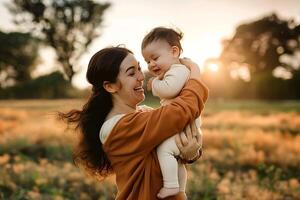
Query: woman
x: 128, y: 135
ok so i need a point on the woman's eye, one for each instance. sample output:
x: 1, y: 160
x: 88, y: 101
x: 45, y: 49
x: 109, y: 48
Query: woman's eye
x: 131, y: 73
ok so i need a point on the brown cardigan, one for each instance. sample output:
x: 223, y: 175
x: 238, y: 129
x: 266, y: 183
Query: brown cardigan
x: 131, y: 145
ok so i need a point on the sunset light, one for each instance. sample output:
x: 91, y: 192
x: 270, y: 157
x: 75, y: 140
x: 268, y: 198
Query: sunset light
x: 213, y: 67
x: 108, y: 99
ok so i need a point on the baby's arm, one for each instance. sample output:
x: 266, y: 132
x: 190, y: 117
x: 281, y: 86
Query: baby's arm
x: 172, y: 83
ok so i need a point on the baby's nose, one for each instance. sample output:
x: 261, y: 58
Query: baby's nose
x: 152, y: 63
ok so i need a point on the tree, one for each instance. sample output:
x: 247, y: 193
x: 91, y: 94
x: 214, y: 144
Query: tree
x: 18, y: 57
x: 260, y: 45
x: 50, y: 86
x: 69, y: 26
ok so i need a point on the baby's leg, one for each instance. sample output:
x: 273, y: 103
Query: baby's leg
x: 198, y: 123
x: 182, y: 176
x: 169, y: 167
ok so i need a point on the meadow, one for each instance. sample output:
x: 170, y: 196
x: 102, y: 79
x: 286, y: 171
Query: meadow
x: 251, y: 151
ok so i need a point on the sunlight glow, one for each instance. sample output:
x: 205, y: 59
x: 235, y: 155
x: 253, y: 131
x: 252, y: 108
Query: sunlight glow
x: 241, y: 72
x: 213, y: 67
x: 203, y: 34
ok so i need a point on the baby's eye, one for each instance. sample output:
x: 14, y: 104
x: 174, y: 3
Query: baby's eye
x: 155, y: 58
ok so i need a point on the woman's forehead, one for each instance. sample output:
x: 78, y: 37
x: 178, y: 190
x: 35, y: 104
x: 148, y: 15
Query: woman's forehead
x: 128, y: 62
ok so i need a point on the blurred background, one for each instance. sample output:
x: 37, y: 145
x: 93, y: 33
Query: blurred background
x: 249, y: 54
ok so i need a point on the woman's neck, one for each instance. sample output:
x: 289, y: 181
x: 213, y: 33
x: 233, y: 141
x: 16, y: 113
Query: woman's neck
x: 120, y: 108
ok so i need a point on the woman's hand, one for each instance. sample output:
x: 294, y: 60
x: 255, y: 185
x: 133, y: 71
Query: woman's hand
x: 193, y: 67
x: 149, y: 84
x: 189, y: 143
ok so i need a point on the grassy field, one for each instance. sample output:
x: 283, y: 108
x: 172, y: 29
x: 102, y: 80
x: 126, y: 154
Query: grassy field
x: 251, y: 151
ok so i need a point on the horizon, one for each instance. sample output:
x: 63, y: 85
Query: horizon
x: 202, y: 38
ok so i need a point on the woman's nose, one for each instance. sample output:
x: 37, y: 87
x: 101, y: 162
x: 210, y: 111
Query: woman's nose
x: 141, y: 76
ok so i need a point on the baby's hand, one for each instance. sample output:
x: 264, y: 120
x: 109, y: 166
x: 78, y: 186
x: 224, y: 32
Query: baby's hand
x: 144, y: 108
x: 149, y: 84
x: 161, y: 76
x: 193, y: 67
x: 189, y: 63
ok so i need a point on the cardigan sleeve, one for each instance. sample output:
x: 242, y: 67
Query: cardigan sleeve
x: 141, y: 132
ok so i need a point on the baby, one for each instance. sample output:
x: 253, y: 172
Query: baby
x: 161, y: 49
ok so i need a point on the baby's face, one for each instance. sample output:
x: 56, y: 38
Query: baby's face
x: 159, y: 57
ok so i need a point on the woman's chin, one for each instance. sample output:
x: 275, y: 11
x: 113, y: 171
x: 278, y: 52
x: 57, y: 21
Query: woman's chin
x: 141, y: 98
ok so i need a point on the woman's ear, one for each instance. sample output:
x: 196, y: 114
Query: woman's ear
x: 110, y: 87
x: 175, y: 51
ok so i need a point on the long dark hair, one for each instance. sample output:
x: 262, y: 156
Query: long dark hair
x: 89, y: 153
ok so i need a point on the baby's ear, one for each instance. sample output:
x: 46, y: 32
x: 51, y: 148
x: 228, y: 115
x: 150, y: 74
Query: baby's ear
x: 176, y: 51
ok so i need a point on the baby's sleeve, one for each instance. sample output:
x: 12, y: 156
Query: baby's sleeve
x: 172, y: 83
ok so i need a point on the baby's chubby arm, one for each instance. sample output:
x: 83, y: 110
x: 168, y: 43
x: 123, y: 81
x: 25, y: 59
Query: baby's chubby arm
x: 172, y: 83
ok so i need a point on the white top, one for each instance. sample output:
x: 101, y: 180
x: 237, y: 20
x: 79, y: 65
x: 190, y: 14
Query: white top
x: 109, y: 124
x: 172, y: 83
x: 107, y: 127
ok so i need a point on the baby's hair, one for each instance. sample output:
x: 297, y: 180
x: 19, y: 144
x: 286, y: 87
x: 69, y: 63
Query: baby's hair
x: 162, y: 33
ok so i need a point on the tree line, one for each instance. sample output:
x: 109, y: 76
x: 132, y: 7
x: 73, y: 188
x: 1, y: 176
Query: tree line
x: 68, y: 26
x: 261, y: 60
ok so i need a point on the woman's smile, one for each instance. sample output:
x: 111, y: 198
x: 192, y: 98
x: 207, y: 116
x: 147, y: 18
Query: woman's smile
x: 139, y: 89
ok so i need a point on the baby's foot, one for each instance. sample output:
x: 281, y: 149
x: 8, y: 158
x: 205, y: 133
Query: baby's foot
x: 165, y: 192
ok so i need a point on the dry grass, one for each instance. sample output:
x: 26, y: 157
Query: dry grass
x: 246, y: 156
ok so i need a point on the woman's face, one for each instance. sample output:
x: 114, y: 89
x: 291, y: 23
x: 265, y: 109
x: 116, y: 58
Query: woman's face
x: 130, y: 82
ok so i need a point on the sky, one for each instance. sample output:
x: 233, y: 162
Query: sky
x: 205, y: 23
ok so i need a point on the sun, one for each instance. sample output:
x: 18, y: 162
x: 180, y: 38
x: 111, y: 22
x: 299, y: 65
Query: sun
x: 213, y: 67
